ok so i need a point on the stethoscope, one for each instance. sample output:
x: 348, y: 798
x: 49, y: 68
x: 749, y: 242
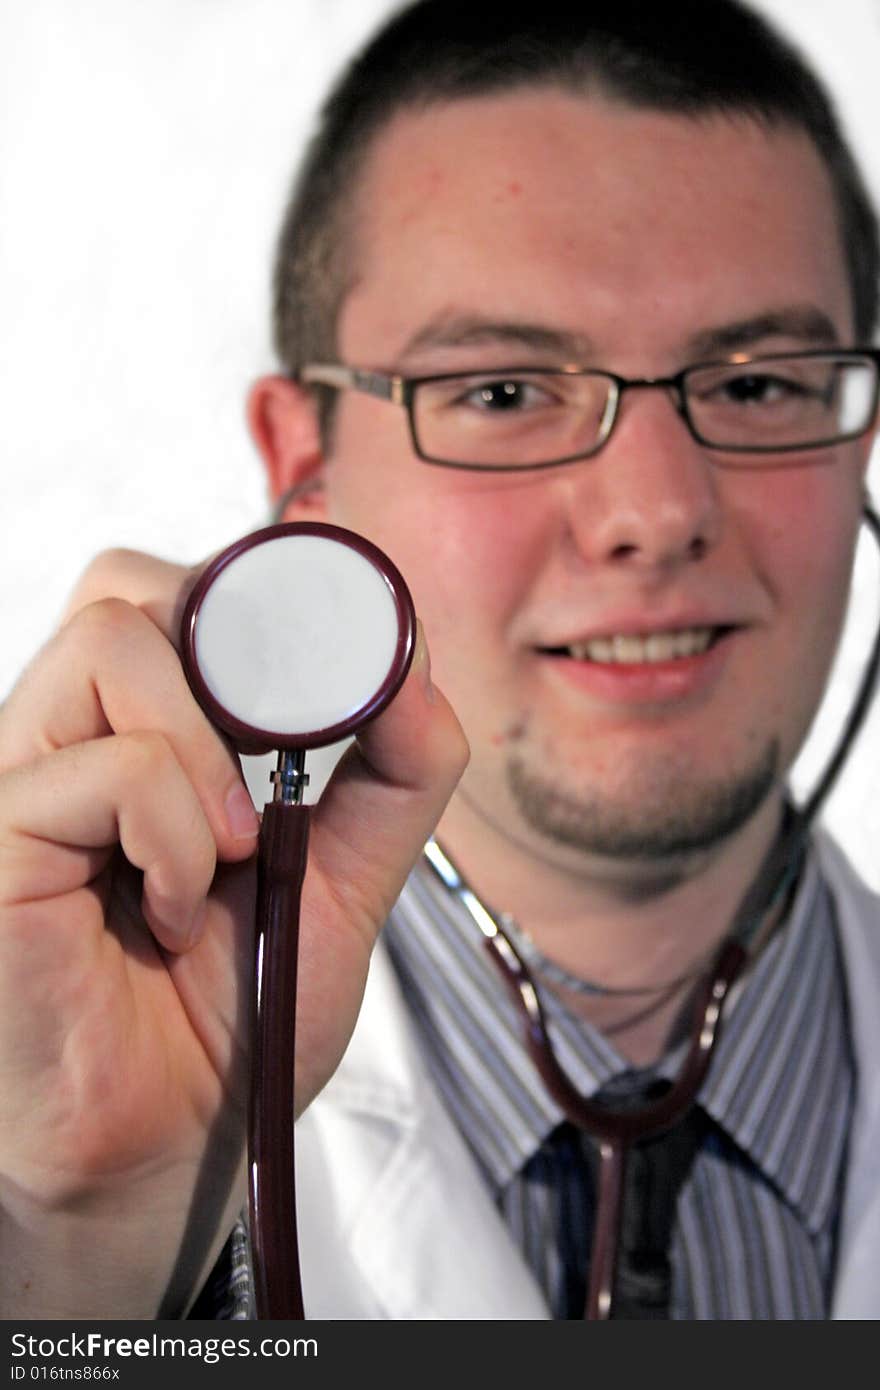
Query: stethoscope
x: 294, y: 638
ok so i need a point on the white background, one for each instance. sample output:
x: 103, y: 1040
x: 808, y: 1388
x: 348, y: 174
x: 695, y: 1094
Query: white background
x: 145, y: 152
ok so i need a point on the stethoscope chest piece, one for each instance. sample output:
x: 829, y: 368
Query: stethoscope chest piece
x: 296, y: 636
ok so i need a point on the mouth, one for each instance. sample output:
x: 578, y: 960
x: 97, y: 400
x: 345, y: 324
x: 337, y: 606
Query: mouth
x: 642, y: 649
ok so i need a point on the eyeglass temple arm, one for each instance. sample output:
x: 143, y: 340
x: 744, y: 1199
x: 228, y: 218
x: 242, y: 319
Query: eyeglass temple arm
x: 381, y: 384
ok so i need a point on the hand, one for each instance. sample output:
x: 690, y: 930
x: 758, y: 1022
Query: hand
x: 126, y: 910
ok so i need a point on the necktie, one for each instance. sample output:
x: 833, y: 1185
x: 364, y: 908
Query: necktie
x: 655, y: 1171
x: 654, y: 1174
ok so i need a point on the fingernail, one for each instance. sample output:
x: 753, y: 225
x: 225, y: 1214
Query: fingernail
x: 241, y: 817
x: 421, y: 663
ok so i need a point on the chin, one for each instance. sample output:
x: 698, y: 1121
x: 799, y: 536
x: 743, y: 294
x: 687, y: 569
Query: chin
x: 665, y: 811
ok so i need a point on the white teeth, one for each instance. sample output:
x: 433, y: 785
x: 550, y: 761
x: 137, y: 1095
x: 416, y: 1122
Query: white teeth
x: 628, y: 649
x: 631, y: 650
x: 600, y: 649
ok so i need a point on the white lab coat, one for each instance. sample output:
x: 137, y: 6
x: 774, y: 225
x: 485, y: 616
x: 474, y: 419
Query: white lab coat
x: 396, y: 1222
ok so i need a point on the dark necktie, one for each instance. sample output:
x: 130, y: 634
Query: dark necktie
x: 655, y: 1171
x: 654, y: 1174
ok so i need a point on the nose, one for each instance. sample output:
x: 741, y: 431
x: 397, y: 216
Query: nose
x: 650, y: 497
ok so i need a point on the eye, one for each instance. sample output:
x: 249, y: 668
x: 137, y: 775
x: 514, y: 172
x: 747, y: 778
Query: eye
x: 764, y: 388
x: 504, y: 394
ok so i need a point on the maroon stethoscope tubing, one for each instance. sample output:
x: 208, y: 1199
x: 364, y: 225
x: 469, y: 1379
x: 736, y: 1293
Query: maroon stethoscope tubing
x: 282, y: 854
x: 281, y: 865
x: 616, y: 1131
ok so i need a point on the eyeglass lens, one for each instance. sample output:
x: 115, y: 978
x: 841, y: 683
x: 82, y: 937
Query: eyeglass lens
x: 526, y: 418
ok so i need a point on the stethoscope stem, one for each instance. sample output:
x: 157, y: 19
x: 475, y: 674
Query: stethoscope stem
x: 606, y: 1238
x: 283, y: 848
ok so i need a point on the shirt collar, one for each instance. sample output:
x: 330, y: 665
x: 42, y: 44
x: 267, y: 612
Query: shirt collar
x: 781, y: 1081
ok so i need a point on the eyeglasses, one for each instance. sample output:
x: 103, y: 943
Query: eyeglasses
x: 537, y: 417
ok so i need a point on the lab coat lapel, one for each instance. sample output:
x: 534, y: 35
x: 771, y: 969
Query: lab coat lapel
x: 425, y: 1235
x: 857, y: 1287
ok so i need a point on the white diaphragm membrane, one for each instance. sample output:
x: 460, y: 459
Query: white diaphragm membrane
x: 297, y: 634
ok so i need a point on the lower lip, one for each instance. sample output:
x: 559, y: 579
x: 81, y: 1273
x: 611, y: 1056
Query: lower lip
x: 645, y: 683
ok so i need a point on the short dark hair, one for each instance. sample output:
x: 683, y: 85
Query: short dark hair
x: 687, y: 56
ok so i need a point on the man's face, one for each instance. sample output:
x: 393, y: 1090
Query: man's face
x: 541, y: 228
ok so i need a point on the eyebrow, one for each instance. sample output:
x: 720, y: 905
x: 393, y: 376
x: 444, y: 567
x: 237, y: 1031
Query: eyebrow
x: 803, y: 322
x: 806, y: 323
x: 471, y: 330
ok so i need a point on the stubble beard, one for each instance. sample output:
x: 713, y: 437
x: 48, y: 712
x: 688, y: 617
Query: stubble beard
x: 665, y: 815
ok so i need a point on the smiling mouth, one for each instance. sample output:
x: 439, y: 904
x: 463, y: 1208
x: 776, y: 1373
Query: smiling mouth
x: 636, y: 649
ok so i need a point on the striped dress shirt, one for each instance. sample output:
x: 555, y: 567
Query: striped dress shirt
x: 754, y: 1234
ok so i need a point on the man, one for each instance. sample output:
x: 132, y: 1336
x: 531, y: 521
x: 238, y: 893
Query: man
x: 626, y: 267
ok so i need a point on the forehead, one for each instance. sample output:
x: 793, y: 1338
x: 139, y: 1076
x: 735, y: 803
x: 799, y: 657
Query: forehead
x: 563, y: 208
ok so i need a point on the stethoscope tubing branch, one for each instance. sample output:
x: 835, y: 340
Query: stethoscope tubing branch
x: 861, y: 704
x: 601, y: 1121
x: 616, y: 1130
x: 282, y: 854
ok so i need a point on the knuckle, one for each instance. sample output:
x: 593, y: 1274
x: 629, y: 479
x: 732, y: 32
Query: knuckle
x: 153, y: 589
x: 102, y: 621
x: 147, y: 754
x: 104, y: 576
x: 143, y: 580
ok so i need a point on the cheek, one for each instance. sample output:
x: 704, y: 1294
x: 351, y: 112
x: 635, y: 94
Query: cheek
x: 465, y: 544
x: 802, y: 525
x: 803, y: 522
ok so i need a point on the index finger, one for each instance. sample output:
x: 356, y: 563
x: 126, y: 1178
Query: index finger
x: 159, y: 588
x: 111, y: 671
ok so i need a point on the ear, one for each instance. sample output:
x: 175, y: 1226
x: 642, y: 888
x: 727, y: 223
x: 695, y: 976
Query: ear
x: 283, y: 423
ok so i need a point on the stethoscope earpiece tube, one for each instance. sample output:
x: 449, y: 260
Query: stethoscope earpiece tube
x: 860, y: 705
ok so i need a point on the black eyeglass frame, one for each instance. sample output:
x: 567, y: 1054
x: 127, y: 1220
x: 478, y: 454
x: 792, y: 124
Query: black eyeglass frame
x: 401, y: 390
